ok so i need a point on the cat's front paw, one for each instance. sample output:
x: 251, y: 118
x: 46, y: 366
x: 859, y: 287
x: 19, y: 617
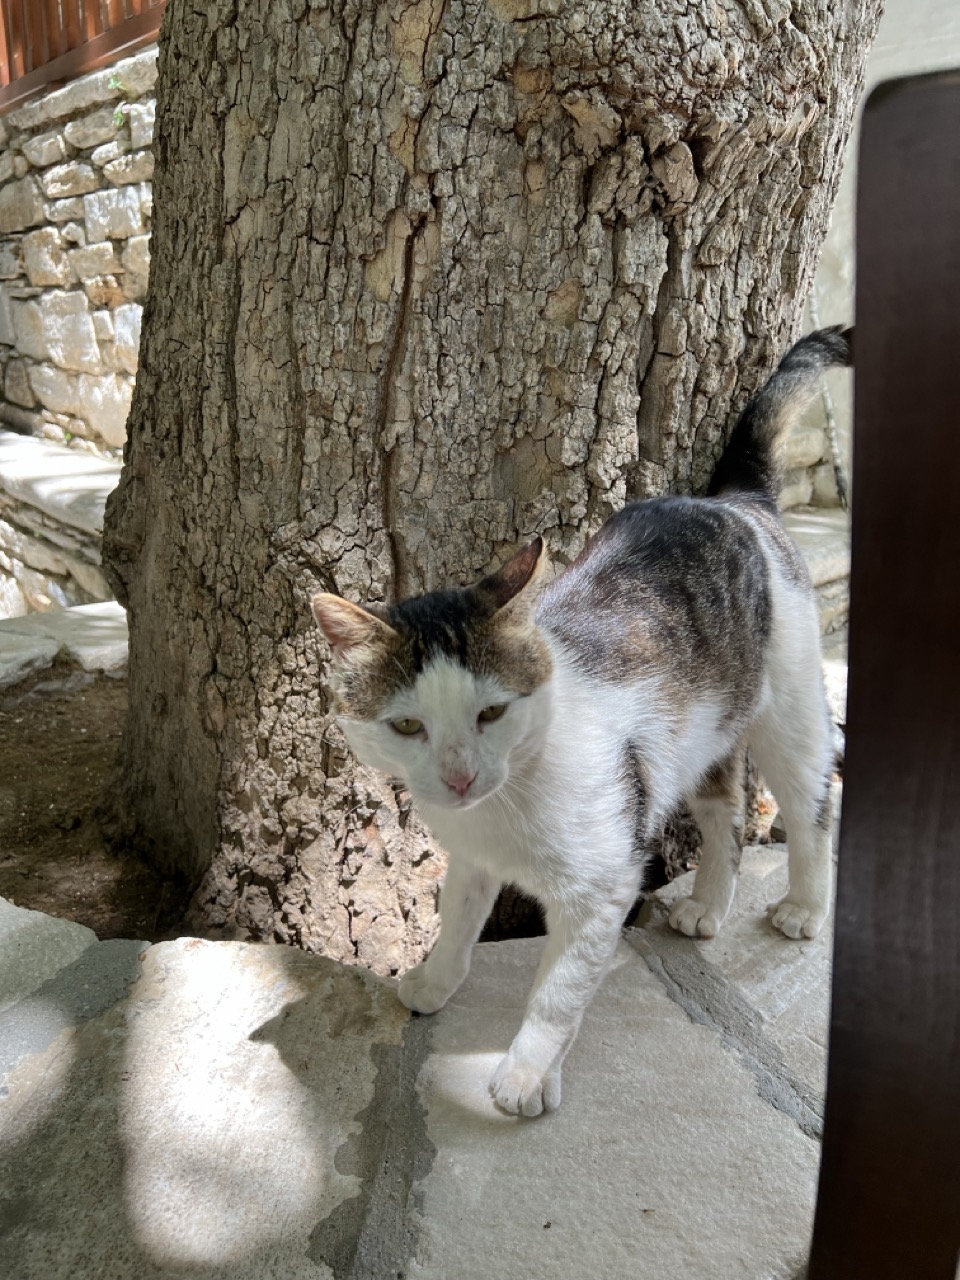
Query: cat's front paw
x: 520, y: 1089
x: 421, y: 991
x: 695, y: 919
x: 797, y: 919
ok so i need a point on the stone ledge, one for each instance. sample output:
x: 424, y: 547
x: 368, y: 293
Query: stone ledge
x: 94, y: 635
x: 72, y: 487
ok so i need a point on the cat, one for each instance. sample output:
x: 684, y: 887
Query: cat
x: 546, y: 732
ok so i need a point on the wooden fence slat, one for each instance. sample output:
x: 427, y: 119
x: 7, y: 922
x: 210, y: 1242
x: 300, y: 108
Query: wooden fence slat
x: 5, y: 71
x: 36, y: 44
x: 59, y: 33
x: 889, y: 1199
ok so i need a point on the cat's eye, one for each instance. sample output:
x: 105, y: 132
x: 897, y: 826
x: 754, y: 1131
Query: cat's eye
x: 489, y: 714
x: 407, y: 726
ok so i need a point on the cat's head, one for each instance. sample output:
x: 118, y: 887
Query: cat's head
x: 440, y: 689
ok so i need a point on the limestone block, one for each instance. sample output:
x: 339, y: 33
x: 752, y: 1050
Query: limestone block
x: 140, y: 117
x: 103, y: 325
x: 90, y: 91
x: 90, y: 131
x: 45, y: 149
x: 95, y: 260
x: 137, y: 167
x: 824, y: 486
x: 44, y: 258
x: 21, y: 205
x: 146, y: 199
x: 28, y: 327
x: 68, y: 331
x: 16, y: 384
x: 126, y: 321
x: 104, y: 291
x: 17, y: 657
x: 64, y: 210
x: 54, y: 388
x: 21, y: 166
x: 136, y: 263
x: 113, y: 214
x: 109, y: 151
x: 805, y: 445
x: 73, y: 233
x: 71, y: 179
x: 33, y: 947
x: 10, y: 263
x: 8, y: 335
x: 7, y: 170
x: 105, y: 403
x: 797, y: 490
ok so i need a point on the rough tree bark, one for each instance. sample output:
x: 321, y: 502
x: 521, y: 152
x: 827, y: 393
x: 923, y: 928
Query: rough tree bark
x: 428, y: 276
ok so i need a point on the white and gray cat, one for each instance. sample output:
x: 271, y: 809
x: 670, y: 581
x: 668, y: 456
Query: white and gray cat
x: 545, y: 734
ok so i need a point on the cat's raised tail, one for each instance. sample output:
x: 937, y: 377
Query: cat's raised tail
x: 751, y: 462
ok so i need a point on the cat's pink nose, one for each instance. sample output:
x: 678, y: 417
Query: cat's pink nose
x: 460, y: 782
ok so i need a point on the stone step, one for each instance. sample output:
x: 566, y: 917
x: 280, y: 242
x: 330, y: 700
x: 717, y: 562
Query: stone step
x: 70, y: 486
x: 93, y: 635
x: 244, y: 1111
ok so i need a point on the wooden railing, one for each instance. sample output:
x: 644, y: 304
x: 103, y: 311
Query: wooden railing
x: 44, y: 43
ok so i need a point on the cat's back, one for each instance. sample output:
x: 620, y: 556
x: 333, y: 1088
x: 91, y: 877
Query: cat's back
x: 678, y: 585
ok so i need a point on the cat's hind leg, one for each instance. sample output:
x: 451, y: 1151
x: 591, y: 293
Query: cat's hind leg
x: 793, y: 748
x: 466, y: 899
x: 717, y: 807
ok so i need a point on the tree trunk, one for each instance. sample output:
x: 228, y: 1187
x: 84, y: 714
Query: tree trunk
x: 428, y: 276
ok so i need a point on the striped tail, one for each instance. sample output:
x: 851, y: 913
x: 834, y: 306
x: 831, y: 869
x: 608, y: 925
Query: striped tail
x: 752, y: 460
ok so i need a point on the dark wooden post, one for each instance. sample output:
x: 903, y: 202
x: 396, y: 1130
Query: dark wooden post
x: 889, y: 1203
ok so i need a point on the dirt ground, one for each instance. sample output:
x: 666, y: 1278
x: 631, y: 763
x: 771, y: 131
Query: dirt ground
x: 59, y: 735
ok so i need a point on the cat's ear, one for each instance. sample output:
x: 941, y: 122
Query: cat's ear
x: 519, y: 571
x: 348, y: 625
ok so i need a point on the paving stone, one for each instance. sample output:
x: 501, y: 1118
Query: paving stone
x: 94, y: 635
x: 194, y: 1127
x: 786, y: 981
x: 33, y: 947
x: 71, y: 487
x: 664, y: 1160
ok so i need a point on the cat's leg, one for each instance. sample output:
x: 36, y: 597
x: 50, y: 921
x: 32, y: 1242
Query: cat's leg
x: 717, y: 808
x: 466, y: 899
x: 580, y: 944
x: 794, y: 752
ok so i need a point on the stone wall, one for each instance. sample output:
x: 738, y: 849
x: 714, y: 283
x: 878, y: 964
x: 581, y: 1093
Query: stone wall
x: 75, y: 206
